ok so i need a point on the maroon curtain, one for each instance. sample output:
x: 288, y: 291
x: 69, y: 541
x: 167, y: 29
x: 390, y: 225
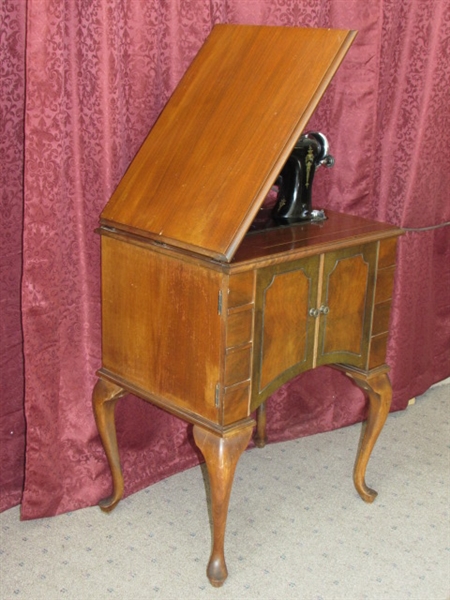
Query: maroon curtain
x: 12, y: 98
x: 77, y: 101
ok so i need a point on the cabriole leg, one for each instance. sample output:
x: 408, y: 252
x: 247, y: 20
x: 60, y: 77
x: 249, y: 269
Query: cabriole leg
x: 104, y: 400
x: 379, y: 390
x: 221, y: 455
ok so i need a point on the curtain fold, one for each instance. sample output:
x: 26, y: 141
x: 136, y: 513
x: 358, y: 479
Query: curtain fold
x: 84, y: 82
x: 12, y: 99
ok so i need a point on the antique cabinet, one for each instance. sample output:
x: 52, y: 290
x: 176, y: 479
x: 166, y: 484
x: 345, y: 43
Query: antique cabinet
x: 206, y: 317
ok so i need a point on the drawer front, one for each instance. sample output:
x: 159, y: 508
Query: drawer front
x: 383, y: 300
x: 238, y: 365
x: 239, y: 326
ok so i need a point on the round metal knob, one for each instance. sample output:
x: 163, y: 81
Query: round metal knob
x: 324, y: 310
x: 314, y: 312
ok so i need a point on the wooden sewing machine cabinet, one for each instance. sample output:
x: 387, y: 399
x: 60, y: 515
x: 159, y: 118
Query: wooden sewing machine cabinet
x: 203, y: 316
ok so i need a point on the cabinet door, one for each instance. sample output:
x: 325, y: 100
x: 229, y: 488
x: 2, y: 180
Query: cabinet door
x: 346, y: 301
x: 284, y: 339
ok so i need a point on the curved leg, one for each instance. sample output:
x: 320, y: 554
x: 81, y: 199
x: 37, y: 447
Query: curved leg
x: 379, y: 390
x: 261, y: 420
x: 221, y: 457
x: 104, y: 400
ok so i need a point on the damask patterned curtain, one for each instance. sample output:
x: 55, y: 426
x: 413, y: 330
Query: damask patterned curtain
x: 82, y: 83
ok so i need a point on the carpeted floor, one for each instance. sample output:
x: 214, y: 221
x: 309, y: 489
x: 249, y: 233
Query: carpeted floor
x: 296, y: 527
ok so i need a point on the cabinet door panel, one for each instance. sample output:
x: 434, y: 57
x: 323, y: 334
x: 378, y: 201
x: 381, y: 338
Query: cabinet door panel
x: 285, y: 343
x: 347, y: 294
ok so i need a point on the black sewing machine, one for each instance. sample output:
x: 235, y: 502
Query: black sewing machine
x: 293, y: 187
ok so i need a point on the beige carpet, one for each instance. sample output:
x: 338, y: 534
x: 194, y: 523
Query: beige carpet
x: 296, y: 527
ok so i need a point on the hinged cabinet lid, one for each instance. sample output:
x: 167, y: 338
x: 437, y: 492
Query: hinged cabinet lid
x: 206, y: 166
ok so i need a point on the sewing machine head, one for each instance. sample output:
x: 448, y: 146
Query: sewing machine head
x: 294, y: 183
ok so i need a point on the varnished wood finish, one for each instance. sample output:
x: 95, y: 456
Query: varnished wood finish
x: 210, y: 342
x: 224, y: 136
x: 278, y: 244
x: 285, y: 330
x: 104, y: 400
x: 260, y: 437
x: 347, y: 293
x: 146, y: 293
x: 205, y: 319
x: 221, y: 456
x: 382, y: 303
x: 378, y: 388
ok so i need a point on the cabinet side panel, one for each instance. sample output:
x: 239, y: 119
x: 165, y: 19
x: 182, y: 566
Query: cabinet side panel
x: 161, y: 328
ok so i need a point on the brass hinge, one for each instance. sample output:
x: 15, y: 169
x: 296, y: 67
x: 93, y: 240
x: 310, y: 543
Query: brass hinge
x: 219, y: 303
x: 217, y: 395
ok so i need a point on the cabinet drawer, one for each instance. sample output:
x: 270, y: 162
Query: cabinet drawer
x: 238, y: 365
x: 385, y: 283
x: 387, y: 252
x: 241, y: 289
x: 239, y: 328
x: 381, y: 315
x: 236, y: 403
x: 378, y: 347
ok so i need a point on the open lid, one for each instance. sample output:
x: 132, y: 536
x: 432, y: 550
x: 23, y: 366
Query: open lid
x: 209, y: 161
